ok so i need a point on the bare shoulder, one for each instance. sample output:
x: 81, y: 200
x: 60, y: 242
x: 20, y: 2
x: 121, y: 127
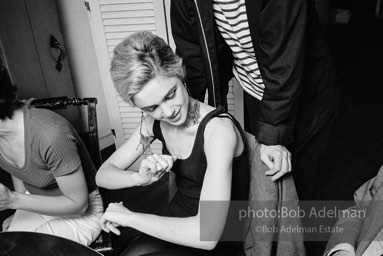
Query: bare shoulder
x: 221, y: 126
x: 222, y: 132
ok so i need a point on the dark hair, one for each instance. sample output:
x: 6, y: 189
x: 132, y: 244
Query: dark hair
x: 8, y: 96
x: 138, y: 59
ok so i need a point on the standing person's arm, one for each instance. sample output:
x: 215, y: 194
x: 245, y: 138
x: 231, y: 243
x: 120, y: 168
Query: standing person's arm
x: 185, y: 33
x: 280, y: 56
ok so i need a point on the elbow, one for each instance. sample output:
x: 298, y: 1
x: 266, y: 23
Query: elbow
x: 208, y: 245
x: 100, y: 179
x: 102, y: 176
x: 206, y: 238
x: 81, y: 208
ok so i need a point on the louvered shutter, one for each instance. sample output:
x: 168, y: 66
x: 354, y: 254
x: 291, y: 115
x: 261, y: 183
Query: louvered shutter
x: 119, y: 18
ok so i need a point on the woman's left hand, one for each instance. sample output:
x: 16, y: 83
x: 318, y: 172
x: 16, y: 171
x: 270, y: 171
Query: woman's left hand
x: 278, y: 159
x: 115, y: 215
x: 154, y: 167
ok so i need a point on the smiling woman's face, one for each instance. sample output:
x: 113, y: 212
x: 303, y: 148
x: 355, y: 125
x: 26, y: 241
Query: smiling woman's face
x: 164, y: 99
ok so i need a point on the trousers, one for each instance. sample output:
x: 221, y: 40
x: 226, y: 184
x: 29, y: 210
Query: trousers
x: 82, y: 229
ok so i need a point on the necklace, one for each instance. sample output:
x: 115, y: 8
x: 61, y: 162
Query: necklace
x: 193, y: 114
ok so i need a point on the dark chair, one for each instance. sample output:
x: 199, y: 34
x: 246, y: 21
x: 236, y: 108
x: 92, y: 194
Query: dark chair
x: 90, y: 137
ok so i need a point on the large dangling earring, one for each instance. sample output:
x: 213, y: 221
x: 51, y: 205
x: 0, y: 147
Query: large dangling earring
x: 144, y: 140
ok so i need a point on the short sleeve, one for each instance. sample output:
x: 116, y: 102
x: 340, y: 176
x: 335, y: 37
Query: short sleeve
x: 58, y: 148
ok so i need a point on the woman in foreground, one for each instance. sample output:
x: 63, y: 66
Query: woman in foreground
x: 202, y: 145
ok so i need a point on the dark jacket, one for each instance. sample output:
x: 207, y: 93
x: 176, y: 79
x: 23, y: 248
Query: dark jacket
x: 291, y: 54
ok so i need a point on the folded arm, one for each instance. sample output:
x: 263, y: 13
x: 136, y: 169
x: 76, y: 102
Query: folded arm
x: 58, y: 149
x: 118, y: 172
x: 281, y: 60
x: 220, y: 145
x: 73, y: 202
x: 114, y: 173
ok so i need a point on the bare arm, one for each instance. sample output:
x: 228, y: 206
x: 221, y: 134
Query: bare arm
x: 18, y: 185
x: 220, y: 145
x: 73, y: 202
x: 113, y: 173
x: 58, y: 150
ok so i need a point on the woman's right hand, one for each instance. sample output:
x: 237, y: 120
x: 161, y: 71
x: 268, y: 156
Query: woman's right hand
x: 114, y: 216
x: 153, y: 168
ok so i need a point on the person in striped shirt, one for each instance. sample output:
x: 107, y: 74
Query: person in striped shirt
x: 276, y: 51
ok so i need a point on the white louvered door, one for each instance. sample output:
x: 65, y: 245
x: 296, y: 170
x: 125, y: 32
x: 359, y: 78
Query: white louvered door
x: 112, y: 21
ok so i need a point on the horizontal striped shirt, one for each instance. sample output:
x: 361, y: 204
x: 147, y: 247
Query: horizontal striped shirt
x: 231, y: 19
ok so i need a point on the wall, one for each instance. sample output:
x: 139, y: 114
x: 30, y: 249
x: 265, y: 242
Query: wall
x: 25, y: 30
x: 83, y: 62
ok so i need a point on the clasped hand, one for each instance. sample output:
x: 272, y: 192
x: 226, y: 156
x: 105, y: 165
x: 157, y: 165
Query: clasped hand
x: 115, y: 215
x: 154, y: 167
x: 278, y: 160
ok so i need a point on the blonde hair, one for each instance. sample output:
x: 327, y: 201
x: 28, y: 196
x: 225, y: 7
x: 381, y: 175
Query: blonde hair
x: 138, y: 59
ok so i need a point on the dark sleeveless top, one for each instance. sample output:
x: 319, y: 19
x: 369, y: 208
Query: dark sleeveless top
x: 190, y: 172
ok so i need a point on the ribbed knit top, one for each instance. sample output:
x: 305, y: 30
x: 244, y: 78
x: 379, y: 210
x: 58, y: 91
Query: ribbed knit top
x: 52, y: 149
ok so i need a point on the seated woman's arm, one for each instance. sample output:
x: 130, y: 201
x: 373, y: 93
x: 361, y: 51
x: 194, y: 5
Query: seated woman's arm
x: 221, y: 142
x: 58, y: 150
x: 73, y: 202
x: 114, y: 173
x: 18, y: 185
